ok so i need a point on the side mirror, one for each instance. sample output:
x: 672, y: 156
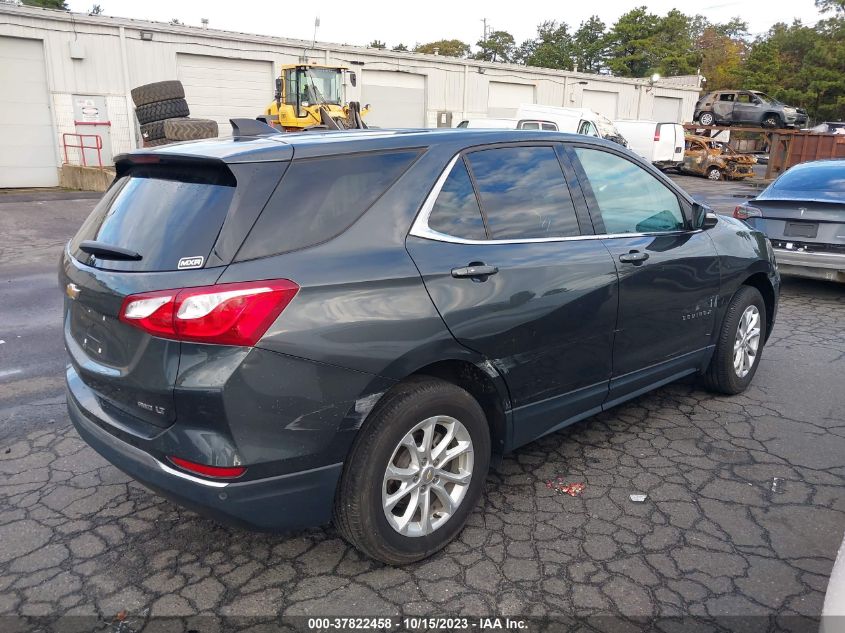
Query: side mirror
x: 705, y: 217
x: 278, y: 89
x: 353, y: 79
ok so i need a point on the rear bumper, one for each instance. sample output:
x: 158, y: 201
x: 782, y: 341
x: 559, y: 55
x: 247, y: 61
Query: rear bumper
x: 827, y: 266
x: 279, y: 503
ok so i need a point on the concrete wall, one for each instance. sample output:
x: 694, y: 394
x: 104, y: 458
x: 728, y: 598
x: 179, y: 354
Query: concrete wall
x: 116, y: 59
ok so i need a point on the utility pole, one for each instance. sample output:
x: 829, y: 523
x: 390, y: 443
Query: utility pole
x: 484, y: 35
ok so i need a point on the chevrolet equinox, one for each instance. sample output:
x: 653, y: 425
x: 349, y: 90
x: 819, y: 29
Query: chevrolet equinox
x: 279, y: 330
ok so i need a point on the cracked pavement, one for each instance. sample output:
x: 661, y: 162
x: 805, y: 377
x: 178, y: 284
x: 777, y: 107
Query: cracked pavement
x: 744, y: 515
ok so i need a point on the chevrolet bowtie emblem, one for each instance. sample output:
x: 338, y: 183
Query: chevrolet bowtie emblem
x: 72, y: 291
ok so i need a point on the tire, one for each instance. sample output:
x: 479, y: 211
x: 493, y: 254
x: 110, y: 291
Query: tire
x: 771, y: 121
x: 158, y: 91
x: 157, y: 142
x: 721, y: 375
x: 359, y: 510
x: 155, y: 130
x: 160, y: 110
x: 714, y: 173
x: 706, y: 118
x: 189, y: 129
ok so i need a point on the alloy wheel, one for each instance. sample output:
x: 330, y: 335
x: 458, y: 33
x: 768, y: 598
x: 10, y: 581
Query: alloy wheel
x: 747, y: 342
x: 428, y: 476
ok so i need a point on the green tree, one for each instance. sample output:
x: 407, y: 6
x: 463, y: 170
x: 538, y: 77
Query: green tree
x: 631, y: 43
x: 672, y: 50
x: 522, y: 53
x: 590, y: 45
x: 449, y: 48
x: 47, y: 4
x: 96, y: 10
x: 377, y: 44
x: 837, y: 6
x: 553, y: 47
x: 721, y: 57
x: 735, y: 28
x: 498, y: 47
x: 400, y: 48
x: 801, y: 65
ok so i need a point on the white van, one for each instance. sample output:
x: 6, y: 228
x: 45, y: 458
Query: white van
x: 530, y: 116
x: 662, y: 144
x: 575, y: 120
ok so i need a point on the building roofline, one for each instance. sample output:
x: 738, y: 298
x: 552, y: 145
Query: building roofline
x: 76, y: 19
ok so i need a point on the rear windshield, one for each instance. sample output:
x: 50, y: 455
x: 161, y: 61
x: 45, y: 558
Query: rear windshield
x: 166, y: 216
x: 319, y: 198
x: 827, y: 177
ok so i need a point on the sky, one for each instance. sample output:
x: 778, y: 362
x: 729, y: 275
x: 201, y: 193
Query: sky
x: 395, y: 22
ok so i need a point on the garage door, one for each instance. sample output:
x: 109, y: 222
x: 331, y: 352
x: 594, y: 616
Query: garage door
x: 220, y: 88
x: 27, y: 144
x: 601, y: 101
x: 667, y: 110
x: 503, y: 99
x: 397, y: 99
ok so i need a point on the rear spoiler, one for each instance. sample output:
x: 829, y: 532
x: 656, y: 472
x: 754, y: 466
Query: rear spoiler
x: 186, y: 168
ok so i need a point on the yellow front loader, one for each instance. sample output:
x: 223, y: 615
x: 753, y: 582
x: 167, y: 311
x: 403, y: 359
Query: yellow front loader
x: 312, y: 96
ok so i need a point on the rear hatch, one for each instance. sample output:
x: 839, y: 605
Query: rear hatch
x: 802, y: 225
x: 153, y: 229
x: 804, y: 209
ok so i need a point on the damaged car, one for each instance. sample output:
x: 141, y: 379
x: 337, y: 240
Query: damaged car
x: 281, y: 330
x: 716, y: 160
x: 749, y: 107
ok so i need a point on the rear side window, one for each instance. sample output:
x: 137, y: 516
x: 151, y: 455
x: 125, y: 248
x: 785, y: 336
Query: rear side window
x: 319, y: 198
x: 456, y: 210
x: 523, y: 193
x: 167, y: 215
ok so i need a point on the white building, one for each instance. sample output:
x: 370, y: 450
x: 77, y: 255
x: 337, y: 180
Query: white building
x: 63, y: 73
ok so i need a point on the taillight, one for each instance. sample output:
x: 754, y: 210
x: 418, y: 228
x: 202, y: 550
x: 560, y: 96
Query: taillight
x: 224, y: 314
x: 218, y: 472
x: 745, y: 211
x: 657, y: 133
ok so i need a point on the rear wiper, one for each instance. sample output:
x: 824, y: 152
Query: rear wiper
x: 107, y: 251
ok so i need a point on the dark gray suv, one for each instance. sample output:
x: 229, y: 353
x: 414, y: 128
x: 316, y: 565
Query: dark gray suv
x: 750, y: 107
x: 286, y: 329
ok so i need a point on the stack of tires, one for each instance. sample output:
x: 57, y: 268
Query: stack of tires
x: 162, y: 113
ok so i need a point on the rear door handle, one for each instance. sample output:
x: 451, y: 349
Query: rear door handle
x: 474, y: 270
x: 634, y: 257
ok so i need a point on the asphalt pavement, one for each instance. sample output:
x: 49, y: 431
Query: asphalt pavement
x: 744, y: 514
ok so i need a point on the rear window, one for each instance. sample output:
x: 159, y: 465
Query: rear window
x: 165, y: 215
x: 319, y: 198
x: 828, y: 177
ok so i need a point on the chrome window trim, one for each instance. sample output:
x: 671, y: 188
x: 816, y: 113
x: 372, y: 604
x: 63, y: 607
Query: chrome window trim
x: 421, y: 229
